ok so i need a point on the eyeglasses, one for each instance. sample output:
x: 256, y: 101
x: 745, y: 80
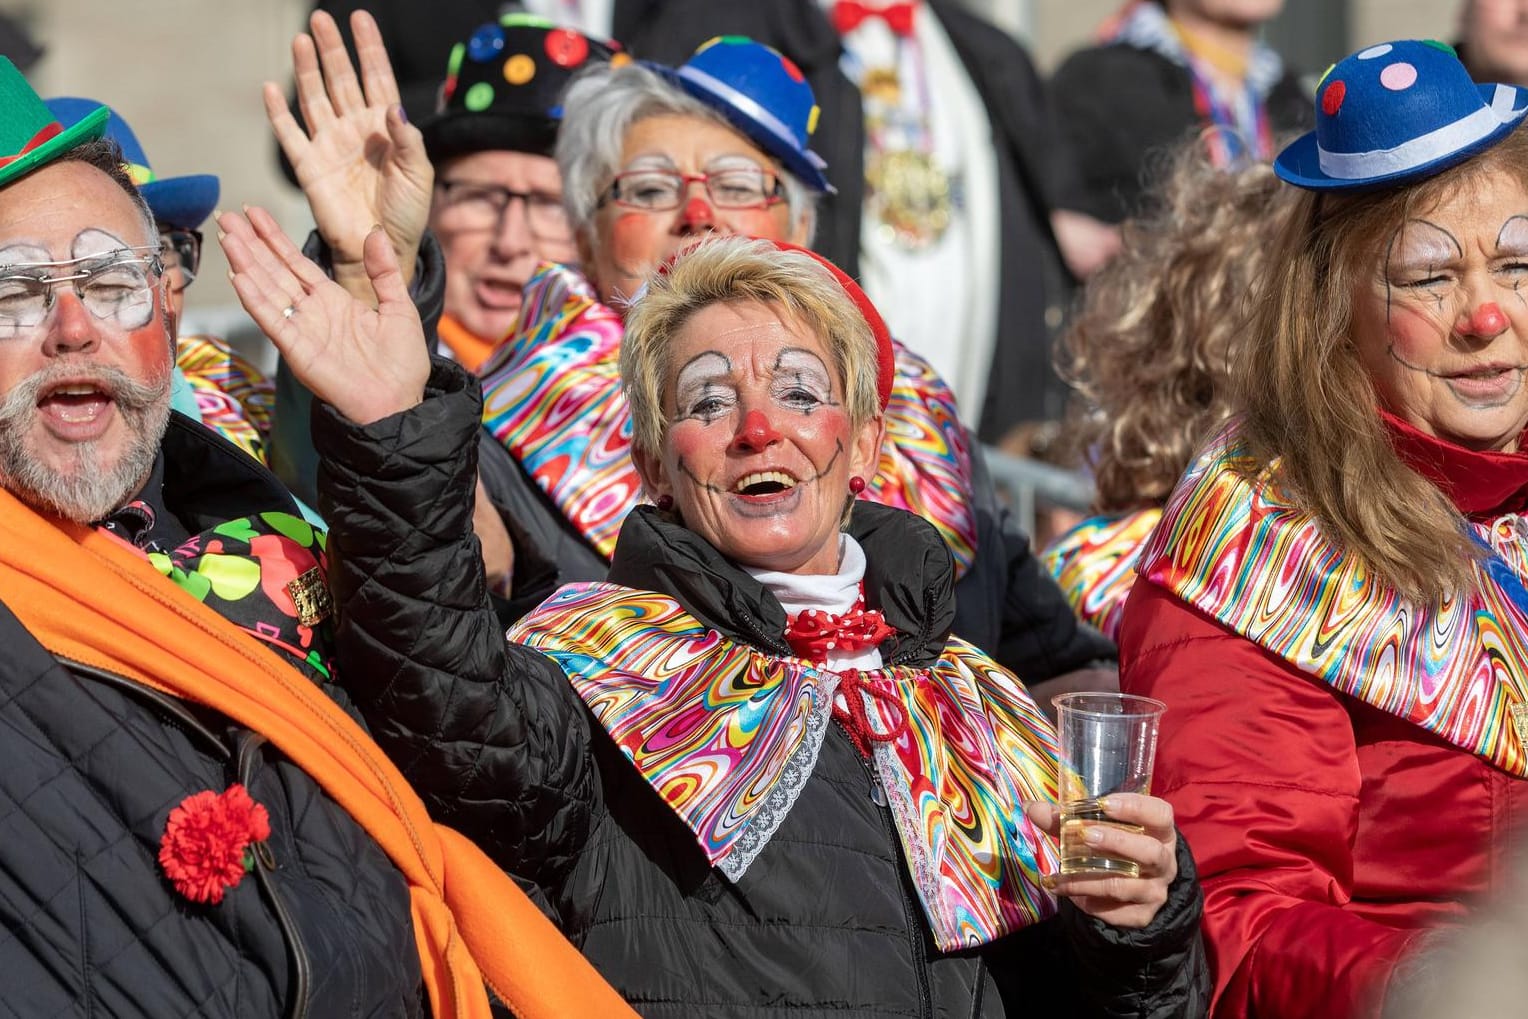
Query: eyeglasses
x: 471, y: 205
x: 662, y: 190
x: 117, y: 287
x: 181, y: 252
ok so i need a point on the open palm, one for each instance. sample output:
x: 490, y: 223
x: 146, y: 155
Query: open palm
x: 359, y: 162
x: 367, y: 363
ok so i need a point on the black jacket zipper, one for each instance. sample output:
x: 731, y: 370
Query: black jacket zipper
x: 912, y: 917
x: 264, y: 871
x: 265, y: 862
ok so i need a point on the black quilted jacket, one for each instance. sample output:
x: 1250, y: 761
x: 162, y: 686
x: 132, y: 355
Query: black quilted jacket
x: 825, y: 922
x: 91, y: 765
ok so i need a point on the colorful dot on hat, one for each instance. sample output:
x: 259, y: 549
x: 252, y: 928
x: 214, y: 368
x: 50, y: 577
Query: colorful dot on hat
x: 523, y: 19
x: 519, y: 69
x: 479, y: 97
x: 1331, y: 99
x: 566, y: 47
x: 1439, y: 45
x: 454, y: 63
x: 1325, y: 74
x: 449, y: 88
x: 707, y: 44
x: 1398, y: 77
x: 485, y: 44
x: 1376, y: 51
x: 791, y: 69
x: 620, y: 60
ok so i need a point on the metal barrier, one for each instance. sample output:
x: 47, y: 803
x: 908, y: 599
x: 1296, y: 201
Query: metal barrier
x: 1025, y: 483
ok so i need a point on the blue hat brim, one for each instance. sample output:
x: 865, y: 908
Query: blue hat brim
x: 1300, y: 162
x: 183, y: 202
x: 798, y: 162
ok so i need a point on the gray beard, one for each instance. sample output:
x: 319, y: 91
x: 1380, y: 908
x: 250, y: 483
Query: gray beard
x: 88, y: 489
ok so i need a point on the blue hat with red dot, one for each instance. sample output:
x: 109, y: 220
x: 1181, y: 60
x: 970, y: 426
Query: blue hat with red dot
x: 1398, y: 112
x: 763, y: 94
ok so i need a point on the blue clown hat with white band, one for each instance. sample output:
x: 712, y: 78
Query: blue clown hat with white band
x: 1397, y: 112
x: 763, y: 94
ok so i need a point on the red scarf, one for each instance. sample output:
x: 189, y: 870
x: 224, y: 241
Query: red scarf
x: 1480, y: 484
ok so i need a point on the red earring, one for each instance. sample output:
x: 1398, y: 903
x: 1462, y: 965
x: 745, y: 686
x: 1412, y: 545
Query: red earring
x: 665, y: 502
x: 856, y: 484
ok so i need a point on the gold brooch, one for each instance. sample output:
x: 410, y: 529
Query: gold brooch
x: 311, y: 596
x: 1519, y: 715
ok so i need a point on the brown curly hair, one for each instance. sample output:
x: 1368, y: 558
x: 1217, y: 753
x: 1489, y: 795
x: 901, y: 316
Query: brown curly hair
x: 1151, y: 349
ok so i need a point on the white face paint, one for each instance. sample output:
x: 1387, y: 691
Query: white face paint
x: 1442, y: 324
x: 760, y: 449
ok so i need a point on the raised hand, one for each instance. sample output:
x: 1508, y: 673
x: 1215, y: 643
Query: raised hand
x: 1121, y: 901
x: 359, y: 162
x: 365, y: 362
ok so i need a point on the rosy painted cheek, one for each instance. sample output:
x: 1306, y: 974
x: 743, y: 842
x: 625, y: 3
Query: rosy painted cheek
x: 148, y: 352
x: 695, y: 447
x: 633, y: 243
x: 1416, y: 335
x: 821, y: 433
x: 764, y: 223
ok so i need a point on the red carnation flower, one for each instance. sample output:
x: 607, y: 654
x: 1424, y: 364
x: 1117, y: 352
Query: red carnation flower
x: 205, y: 850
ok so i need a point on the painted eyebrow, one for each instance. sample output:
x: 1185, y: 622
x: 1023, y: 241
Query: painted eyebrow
x: 713, y: 363
x: 1422, y: 248
x: 1513, y: 234
x: 800, y: 353
x: 651, y: 161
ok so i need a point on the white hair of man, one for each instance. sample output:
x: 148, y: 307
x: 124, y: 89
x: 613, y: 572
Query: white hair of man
x: 601, y: 105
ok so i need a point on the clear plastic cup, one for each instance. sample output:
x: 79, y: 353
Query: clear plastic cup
x: 1108, y: 744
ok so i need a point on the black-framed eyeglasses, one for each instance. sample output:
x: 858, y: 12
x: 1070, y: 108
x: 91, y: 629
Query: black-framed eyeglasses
x: 181, y: 251
x: 116, y: 287
x: 662, y: 190
x: 477, y: 205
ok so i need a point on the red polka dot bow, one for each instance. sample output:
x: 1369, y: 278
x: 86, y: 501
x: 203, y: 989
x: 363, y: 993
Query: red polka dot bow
x: 813, y: 634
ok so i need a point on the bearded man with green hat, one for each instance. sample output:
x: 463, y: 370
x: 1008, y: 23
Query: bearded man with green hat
x: 188, y: 825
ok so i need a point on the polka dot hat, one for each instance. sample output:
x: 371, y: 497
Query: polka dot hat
x: 504, y: 85
x: 1398, y: 112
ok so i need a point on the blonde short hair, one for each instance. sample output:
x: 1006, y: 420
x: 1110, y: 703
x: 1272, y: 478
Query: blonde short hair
x: 732, y: 270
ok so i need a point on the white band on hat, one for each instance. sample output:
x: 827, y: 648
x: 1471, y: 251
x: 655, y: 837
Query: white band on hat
x: 1433, y: 145
x: 771, y: 123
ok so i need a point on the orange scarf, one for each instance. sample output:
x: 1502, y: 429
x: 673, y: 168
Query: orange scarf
x: 89, y: 598
x: 468, y: 348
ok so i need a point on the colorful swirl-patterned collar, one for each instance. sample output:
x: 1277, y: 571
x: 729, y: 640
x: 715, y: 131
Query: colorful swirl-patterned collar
x: 728, y: 735
x: 1094, y: 563
x: 552, y: 395
x: 1244, y: 553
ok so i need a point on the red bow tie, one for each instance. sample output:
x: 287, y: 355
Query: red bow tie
x: 849, y: 14
x: 812, y: 634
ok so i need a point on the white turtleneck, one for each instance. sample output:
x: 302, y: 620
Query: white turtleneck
x: 835, y: 593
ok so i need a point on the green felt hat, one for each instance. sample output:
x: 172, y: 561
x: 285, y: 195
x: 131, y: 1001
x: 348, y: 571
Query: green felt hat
x: 30, y: 136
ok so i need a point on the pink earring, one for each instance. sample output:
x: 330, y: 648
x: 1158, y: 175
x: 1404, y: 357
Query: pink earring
x: 665, y: 502
x: 856, y: 484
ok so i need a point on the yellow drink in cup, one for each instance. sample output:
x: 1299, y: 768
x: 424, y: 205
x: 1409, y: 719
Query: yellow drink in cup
x: 1107, y: 744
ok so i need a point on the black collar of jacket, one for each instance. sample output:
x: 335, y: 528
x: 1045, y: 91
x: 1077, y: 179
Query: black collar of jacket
x: 909, y: 576
x: 209, y: 481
